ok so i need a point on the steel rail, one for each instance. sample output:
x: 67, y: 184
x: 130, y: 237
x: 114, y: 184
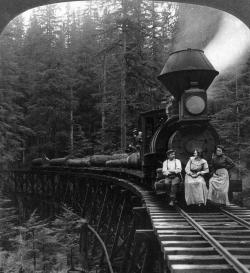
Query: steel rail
x: 237, y: 219
x: 235, y: 263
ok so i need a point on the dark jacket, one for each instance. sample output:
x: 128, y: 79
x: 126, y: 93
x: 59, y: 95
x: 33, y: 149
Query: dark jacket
x: 219, y: 162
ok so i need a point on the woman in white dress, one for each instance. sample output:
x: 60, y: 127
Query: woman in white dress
x: 195, y: 186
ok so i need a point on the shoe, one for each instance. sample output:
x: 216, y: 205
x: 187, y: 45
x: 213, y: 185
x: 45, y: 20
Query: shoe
x: 171, y: 204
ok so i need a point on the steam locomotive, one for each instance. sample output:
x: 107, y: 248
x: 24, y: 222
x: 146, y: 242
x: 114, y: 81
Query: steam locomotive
x: 187, y: 75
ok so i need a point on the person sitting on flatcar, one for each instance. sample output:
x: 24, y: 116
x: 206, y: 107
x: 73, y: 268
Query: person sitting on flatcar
x: 195, y: 185
x: 172, y: 171
x: 219, y: 182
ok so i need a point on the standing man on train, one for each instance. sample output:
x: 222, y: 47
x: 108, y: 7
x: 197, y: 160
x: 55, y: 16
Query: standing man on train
x: 172, y: 171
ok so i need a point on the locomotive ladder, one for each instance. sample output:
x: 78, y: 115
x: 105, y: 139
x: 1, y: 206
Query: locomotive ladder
x: 217, y: 241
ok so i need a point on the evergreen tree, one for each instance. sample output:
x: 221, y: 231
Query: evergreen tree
x: 70, y: 72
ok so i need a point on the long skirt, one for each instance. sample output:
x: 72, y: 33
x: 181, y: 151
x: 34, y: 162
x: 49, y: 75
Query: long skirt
x: 218, y: 187
x: 195, y: 190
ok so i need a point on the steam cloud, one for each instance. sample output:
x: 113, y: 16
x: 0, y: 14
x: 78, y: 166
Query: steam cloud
x: 230, y: 46
x: 197, y: 26
x: 224, y: 38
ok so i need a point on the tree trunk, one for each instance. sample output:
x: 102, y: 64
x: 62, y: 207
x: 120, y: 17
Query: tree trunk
x: 238, y: 121
x: 71, y: 122
x: 154, y: 43
x: 123, y: 77
x: 104, y: 89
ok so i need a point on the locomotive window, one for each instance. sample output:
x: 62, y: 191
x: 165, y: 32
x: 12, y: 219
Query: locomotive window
x: 195, y: 105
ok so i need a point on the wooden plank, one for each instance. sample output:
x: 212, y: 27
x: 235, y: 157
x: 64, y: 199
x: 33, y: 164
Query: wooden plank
x: 184, y: 244
x: 165, y: 213
x: 208, y: 223
x: 180, y: 226
x: 232, y: 237
x: 228, y: 227
x: 195, y: 259
x: 202, y: 243
x: 177, y: 227
x: 239, y: 251
x: 161, y: 210
x: 247, y: 214
x: 212, y: 219
x: 205, y: 213
x: 203, y: 220
x: 177, y: 220
x: 223, y: 225
x: 215, y: 218
x: 203, y: 251
x: 212, y: 232
x: 187, y: 259
x: 230, y: 232
x: 235, y: 243
x: 187, y: 268
x: 181, y: 237
x: 177, y: 232
x: 181, y: 221
x: 168, y: 221
x: 235, y: 208
x: 166, y: 217
x: 188, y: 251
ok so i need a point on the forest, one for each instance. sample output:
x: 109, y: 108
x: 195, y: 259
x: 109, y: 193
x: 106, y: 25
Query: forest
x: 75, y: 83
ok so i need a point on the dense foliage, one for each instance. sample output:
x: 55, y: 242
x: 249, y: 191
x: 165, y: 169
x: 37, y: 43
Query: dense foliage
x: 76, y: 83
x: 42, y: 245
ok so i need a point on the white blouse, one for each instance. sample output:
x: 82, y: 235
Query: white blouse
x: 171, y: 166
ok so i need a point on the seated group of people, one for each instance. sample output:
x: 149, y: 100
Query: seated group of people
x: 196, y: 191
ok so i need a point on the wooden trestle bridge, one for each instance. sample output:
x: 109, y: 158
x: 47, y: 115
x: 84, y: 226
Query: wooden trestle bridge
x: 141, y: 232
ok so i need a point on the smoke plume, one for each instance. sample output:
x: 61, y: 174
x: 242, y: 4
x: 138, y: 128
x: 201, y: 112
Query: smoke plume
x: 229, y: 49
x: 223, y: 37
x: 197, y: 25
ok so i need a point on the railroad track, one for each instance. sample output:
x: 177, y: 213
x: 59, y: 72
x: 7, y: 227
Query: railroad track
x: 202, y: 241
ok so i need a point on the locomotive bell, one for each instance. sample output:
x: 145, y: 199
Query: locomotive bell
x: 184, y: 67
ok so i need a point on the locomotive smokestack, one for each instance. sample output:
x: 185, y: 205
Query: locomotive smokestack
x: 184, y: 67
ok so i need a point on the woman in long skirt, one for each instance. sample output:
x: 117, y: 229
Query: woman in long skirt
x: 219, y: 182
x: 195, y: 185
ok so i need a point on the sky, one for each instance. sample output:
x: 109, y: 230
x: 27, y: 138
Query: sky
x: 62, y: 7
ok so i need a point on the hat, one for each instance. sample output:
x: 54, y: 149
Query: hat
x: 220, y: 147
x: 170, y: 151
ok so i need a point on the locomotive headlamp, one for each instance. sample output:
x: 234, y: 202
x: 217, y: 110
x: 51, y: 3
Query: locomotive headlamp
x: 195, y: 105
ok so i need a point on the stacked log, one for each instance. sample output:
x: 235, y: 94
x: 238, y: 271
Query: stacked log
x: 58, y: 161
x: 101, y: 160
x: 79, y: 162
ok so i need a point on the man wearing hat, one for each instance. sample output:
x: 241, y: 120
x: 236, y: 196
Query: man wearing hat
x: 172, y: 171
